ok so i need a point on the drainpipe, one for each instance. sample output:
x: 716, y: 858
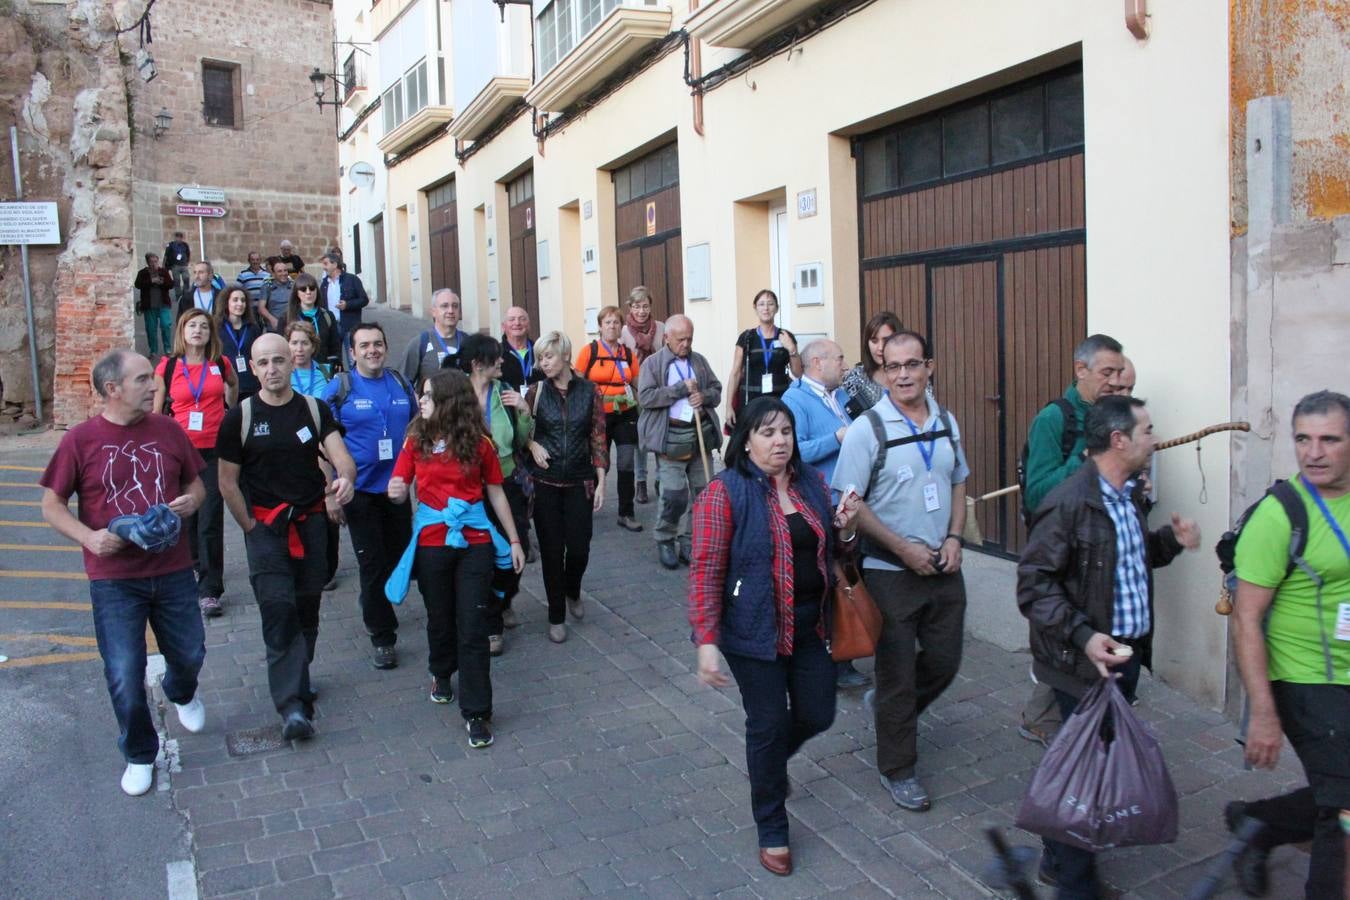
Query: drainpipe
x: 696, y: 72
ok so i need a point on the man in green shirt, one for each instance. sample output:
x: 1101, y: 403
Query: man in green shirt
x: 1296, y: 669
x: 1098, y: 369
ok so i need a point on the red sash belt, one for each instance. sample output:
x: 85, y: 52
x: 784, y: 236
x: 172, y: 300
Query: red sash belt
x: 269, y: 518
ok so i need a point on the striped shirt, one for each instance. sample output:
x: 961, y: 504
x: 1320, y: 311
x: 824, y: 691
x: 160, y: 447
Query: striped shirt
x: 252, y: 282
x: 1130, y: 618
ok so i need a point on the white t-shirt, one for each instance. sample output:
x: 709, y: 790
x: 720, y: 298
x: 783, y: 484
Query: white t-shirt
x: 334, y: 296
x: 680, y: 409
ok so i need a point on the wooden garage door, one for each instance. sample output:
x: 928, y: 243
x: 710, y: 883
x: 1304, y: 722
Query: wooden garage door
x: 443, y: 236
x: 647, y: 229
x: 524, y: 258
x: 973, y: 232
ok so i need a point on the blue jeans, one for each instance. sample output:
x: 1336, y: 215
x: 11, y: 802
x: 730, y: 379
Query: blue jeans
x: 122, y: 607
x: 158, y: 330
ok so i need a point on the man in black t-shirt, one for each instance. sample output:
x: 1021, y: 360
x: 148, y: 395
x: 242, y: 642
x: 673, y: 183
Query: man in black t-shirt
x: 277, y: 489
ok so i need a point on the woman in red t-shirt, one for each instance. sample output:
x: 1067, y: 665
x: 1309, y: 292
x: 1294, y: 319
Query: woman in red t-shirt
x: 449, y: 456
x: 200, y: 383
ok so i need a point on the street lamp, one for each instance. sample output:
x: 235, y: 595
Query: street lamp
x: 163, y: 119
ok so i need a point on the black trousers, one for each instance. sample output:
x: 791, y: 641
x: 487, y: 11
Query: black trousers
x: 288, y: 592
x: 508, y: 582
x: 787, y: 702
x: 927, y: 612
x: 380, y: 531
x: 455, y: 586
x: 562, y: 525
x: 621, y: 432
x: 206, y: 530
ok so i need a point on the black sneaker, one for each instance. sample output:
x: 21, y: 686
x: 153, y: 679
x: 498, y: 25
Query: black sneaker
x: 441, y: 691
x: 1249, y: 866
x: 384, y: 657
x: 480, y: 732
x: 297, y: 727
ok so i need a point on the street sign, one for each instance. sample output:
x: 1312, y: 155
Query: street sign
x: 29, y: 223
x: 201, y: 195
x: 204, y: 212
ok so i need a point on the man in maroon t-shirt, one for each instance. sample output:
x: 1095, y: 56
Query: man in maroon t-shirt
x: 122, y: 462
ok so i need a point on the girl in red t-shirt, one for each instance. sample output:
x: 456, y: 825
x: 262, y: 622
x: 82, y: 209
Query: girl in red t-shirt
x: 201, y: 385
x: 449, y: 456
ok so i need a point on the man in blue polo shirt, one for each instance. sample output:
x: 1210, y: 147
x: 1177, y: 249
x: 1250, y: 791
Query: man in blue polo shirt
x: 374, y: 405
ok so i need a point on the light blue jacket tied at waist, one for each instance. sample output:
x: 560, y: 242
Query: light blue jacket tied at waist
x: 457, y: 515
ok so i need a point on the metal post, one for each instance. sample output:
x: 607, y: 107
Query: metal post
x: 27, y: 281
x: 201, y: 239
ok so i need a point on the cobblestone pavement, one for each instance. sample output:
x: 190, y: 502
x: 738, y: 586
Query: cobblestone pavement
x: 615, y: 772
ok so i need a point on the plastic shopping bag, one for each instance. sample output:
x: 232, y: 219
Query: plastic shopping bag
x: 1103, y: 782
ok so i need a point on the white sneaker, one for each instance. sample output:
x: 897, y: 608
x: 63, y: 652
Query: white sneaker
x: 137, y: 778
x: 557, y: 633
x: 192, y: 715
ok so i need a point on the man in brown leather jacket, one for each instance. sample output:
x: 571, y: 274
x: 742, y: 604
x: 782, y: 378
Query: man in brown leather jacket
x: 1085, y: 582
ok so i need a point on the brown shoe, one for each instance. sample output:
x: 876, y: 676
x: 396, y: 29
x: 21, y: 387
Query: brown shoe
x: 629, y: 523
x: 777, y: 863
x: 642, y: 493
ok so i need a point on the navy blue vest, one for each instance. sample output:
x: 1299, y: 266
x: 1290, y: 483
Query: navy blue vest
x: 749, y: 625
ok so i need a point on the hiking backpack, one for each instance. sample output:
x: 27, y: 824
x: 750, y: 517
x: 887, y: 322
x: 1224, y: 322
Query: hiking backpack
x: 884, y: 446
x: 1292, y: 504
x: 1067, y: 439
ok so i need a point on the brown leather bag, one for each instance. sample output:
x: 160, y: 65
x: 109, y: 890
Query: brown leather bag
x: 855, y: 618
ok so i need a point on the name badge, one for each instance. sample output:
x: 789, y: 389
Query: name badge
x: 195, y: 420
x: 931, y: 502
x: 686, y: 414
x: 215, y: 370
x: 766, y: 383
x: 1343, y: 622
x: 240, y: 364
x: 386, y: 448
x: 904, y: 473
x: 304, y: 434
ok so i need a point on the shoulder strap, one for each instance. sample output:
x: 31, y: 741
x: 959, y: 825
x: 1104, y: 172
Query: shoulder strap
x: 1069, y: 436
x: 171, y: 362
x: 344, y: 380
x: 883, y: 448
x: 403, y: 383
x: 313, y: 405
x: 1297, y: 513
x: 945, y: 419
x: 245, y: 420
x: 590, y: 363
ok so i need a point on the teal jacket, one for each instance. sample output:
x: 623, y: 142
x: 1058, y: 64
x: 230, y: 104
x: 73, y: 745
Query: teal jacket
x: 1046, y: 466
x: 456, y: 516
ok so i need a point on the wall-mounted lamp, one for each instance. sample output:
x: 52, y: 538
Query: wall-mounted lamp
x: 163, y: 119
x: 319, y: 79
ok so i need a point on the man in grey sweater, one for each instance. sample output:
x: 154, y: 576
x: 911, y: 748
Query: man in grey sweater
x: 677, y: 391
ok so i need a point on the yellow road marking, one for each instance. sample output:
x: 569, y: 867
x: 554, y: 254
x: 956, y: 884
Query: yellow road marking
x: 23, y: 468
x: 21, y: 484
x: 66, y: 639
x: 47, y: 659
x: 45, y: 604
x: 19, y: 523
x: 39, y: 573
x: 46, y: 548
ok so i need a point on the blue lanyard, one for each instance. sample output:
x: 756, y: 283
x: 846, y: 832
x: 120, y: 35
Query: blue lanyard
x: 688, y: 369
x: 440, y: 340
x: 767, y: 346
x: 927, y: 454
x: 526, y: 361
x: 618, y: 363
x: 239, y: 339
x: 201, y: 383
x: 487, y: 410
x: 197, y: 298
x: 313, y: 373
x: 1326, y: 514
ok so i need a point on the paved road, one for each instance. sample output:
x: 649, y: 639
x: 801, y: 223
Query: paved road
x: 614, y: 772
x: 68, y: 830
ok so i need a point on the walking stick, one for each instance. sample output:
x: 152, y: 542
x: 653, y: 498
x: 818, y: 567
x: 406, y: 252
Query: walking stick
x: 702, y: 447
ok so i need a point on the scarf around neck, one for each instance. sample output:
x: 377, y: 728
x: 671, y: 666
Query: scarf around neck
x: 643, y: 335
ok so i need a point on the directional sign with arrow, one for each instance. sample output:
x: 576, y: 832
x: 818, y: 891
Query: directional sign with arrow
x: 201, y: 195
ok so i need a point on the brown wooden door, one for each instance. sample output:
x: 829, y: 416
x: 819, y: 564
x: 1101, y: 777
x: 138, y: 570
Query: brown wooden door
x: 647, y: 230
x: 524, y: 258
x: 443, y: 237
x: 973, y: 233
x: 377, y: 258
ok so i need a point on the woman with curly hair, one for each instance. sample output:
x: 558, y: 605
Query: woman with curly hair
x: 455, y: 548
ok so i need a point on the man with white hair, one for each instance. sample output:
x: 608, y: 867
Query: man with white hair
x: 291, y: 258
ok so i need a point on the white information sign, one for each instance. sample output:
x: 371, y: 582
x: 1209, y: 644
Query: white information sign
x: 201, y: 195
x: 29, y: 223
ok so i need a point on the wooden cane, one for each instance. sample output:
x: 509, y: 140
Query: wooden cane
x: 702, y: 447
x: 1204, y: 432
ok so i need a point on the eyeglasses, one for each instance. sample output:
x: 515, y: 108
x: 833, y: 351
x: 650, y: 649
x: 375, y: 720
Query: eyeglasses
x: 308, y: 288
x: 912, y: 366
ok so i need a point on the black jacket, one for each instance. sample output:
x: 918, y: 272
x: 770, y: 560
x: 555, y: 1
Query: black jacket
x: 353, y: 293
x: 187, y: 301
x: 1066, y: 578
x: 562, y: 426
x: 513, y: 373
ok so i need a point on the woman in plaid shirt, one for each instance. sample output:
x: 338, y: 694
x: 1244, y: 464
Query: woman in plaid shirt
x: 758, y: 590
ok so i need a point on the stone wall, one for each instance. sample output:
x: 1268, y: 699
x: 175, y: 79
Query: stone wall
x: 278, y: 165
x: 62, y: 83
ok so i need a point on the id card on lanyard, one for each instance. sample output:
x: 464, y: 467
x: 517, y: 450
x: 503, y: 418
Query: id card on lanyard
x: 1342, y: 608
x: 196, y: 419
x: 766, y: 380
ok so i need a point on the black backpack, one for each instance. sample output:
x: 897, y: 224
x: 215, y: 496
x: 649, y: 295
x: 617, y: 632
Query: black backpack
x: 344, y: 382
x: 1067, y: 439
x: 627, y: 358
x: 884, y: 446
x: 1292, y: 504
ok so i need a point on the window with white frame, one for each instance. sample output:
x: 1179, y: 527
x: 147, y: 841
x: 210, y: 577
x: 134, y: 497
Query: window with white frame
x: 565, y: 23
x: 405, y: 97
